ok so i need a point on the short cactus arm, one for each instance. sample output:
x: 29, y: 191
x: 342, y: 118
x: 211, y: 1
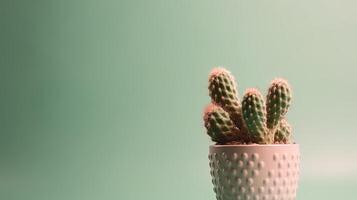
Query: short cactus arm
x: 219, y: 126
x: 254, y: 115
x: 278, y: 102
x: 283, y: 133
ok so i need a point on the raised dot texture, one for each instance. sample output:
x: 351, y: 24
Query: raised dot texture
x: 235, y: 156
x: 275, y: 157
x: 254, y: 175
x: 240, y: 164
x: 245, y: 172
x: 255, y: 156
x: 250, y: 164
x: 266, y: 181
x: 244, y: 156
x: 250, y: 181
x: 284, y: 156
x: 275, y: 182
x: 261, y: 165
x: 242, y: 189
x: 261, y: 189
x: 279, y: 174
x: 239, y: 181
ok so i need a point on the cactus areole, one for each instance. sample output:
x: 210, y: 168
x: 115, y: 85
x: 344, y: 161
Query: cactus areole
x: 255, y: 119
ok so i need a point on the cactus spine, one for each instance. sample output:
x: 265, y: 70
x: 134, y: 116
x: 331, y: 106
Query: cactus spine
x: 219, y: 125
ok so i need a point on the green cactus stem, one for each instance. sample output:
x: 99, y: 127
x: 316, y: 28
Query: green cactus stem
x: 283, y: 133
x: 255, y: 120
x: 278, y: 102
x: 254, y: 115
x: 223, y: 92
x: 219, y: 126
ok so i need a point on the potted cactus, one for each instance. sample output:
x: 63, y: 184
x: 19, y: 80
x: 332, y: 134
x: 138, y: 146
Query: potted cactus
x: 254, y: 156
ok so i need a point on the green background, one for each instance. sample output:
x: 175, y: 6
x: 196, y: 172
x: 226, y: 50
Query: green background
x: 104, y: 99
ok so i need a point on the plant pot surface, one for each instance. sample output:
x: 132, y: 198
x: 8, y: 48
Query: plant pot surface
x: 255, y: 172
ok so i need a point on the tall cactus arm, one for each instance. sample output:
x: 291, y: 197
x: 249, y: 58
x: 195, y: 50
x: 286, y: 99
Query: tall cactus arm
x: 254, y: 115
x: 278, y: 101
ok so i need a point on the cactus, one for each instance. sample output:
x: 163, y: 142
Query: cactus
x: 254, y: 115
x: 278, y: 101
x: 219, y: 126
x: 223, y: 92
x: 229, y: 122
x: 283, y: 132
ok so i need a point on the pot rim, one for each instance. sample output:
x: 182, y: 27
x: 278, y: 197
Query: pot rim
x: 251, y: 145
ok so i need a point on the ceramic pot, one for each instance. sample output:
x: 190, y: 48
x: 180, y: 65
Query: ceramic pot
x: 255, y: 172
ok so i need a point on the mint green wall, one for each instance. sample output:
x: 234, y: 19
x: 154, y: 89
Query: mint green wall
x: 103, y: 99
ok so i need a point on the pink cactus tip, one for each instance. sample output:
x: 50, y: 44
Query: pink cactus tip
x: 217, y: 71
x: 251, y: 91
x: 279, y: 81
x: 209, y: 109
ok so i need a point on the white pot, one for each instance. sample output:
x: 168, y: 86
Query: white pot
x: 255, y: 172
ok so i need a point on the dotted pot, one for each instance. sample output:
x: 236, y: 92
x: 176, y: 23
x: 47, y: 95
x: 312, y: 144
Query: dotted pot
x: 255, y: 172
